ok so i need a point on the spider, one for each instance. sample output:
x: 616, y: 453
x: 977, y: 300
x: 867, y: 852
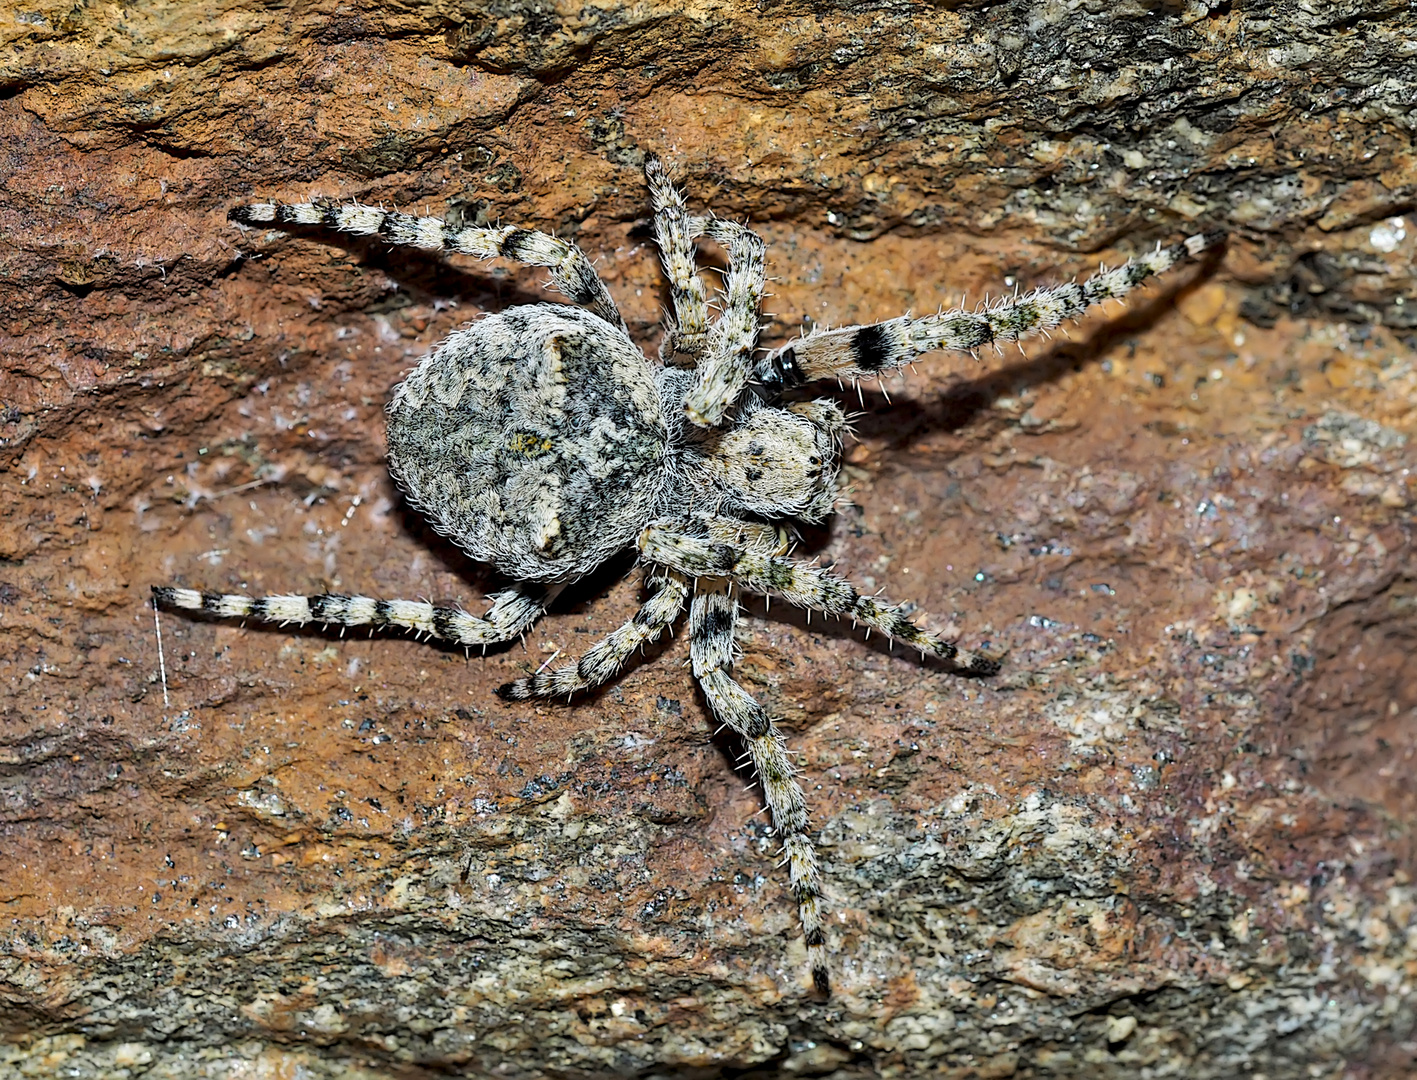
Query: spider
x: 542, y: 441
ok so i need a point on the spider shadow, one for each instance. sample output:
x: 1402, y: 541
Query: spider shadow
x: 899, y: 421
x: 761, y: 607
x: 422, y: 276
x: 480, y: 579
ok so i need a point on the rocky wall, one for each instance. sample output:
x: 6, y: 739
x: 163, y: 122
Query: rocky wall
x: 1173, y: 837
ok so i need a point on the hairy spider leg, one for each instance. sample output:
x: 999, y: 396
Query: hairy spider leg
x: 571, y: 272
x: 606, y: 657
x: 713, y: 615
x: 511, y: 614
x: 723, y: 348
x: 728, y: 364
x: 802, y: 584
x: 857, y: 352
x: 674, y: 233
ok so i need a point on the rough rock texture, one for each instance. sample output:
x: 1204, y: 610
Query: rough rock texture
x: 1175, y: 837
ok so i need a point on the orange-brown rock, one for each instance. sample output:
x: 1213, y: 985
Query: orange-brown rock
x: 1176, y: 834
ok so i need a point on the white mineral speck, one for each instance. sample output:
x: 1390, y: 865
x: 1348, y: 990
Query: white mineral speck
x: 1386, y: 235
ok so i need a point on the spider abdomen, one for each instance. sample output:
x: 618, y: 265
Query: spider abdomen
x: 534, y: 439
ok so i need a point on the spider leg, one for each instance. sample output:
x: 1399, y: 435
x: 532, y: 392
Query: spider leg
x: 728, y: 365
x: 802, y: 584
x: 725, y: 348
x: 603, y: 659
x: 674, y: 232
x: 751, y: 535
x: 712, y: 617
x: 857, y: 352
x: 512, y: 612
x: 571, y: 272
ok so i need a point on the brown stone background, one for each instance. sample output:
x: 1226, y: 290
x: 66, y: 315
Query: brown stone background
x: 1175, y: 837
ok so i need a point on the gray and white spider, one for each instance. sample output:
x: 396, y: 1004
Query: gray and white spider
x: 541, y: 440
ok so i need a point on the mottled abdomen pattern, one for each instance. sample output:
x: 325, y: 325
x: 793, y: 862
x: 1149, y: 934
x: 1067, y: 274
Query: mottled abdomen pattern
x: 534, y: 439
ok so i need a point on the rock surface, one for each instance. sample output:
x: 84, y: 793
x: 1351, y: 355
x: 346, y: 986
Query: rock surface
x: 1175, y: 835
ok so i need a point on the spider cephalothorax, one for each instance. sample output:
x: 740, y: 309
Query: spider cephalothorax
x: 541, y: 440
